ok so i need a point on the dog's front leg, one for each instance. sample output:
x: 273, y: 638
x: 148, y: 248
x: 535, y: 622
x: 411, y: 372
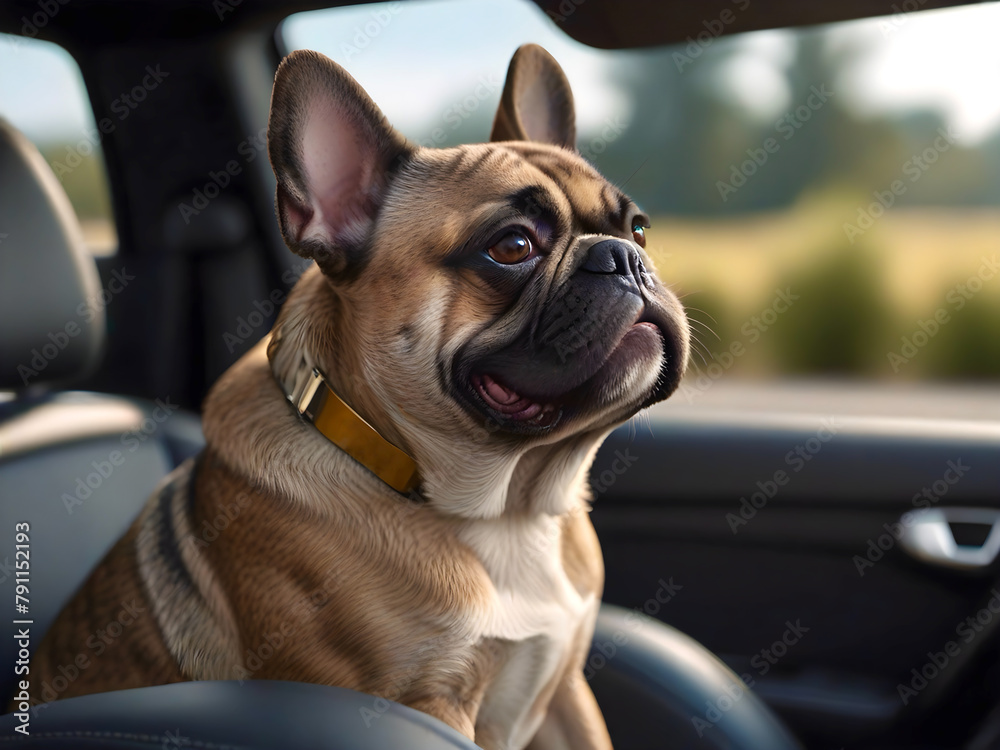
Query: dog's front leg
x: 573, y: 721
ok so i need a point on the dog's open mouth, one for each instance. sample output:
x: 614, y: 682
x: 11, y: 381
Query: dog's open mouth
x: 514, y: 408
x: 512, y: 405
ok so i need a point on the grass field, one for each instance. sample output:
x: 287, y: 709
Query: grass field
x: 870, y: 294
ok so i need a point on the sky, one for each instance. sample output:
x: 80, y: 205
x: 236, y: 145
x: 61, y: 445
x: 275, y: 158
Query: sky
x: 431, y: 63
x: 946, y: 59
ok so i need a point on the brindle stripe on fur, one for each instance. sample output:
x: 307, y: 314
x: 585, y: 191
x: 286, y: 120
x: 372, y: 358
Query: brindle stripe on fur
x: 164, y: 537
x: 470, y: 164
x: 182, y: 590
x: 590, y: 220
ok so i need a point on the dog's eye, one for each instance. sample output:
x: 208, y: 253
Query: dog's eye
x: 639, y: 235
x: 511, y: 248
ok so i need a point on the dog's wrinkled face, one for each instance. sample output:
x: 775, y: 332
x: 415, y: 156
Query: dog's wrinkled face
x: 562, y: 324
x: 492, y: 293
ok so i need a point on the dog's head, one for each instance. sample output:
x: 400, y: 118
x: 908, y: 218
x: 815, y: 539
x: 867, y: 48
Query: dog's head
x: 485, y: 300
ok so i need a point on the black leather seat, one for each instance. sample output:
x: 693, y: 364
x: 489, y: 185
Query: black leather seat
x: 257, y: 715
x: 77, y: 468
x: 652, y: 688
x: 74, y: 466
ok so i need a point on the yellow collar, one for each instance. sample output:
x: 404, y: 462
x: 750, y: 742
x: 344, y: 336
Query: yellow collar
x: 309, y: 392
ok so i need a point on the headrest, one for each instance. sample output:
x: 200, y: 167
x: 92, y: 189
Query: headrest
x: 51, y: 330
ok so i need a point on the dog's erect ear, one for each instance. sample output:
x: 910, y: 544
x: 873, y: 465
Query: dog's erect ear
x: 537, y: 102
x: 333, y: 154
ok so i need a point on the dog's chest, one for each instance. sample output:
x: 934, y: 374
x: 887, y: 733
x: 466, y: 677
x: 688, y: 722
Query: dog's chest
x: 535, y: 612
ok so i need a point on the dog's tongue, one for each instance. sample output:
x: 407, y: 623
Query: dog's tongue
x: 498, y: 393
x: 509, y: 402
x: 505, y: 400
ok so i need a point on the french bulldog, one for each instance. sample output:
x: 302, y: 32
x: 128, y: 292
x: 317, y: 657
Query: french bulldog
x: 393, y: 495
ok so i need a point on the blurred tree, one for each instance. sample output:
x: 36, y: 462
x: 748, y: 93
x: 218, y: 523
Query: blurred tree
x: 842, y: 323
x: 686, y: 134
x: 968, y: 346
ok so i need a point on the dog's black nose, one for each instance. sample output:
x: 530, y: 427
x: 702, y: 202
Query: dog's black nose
x: 615, y: 257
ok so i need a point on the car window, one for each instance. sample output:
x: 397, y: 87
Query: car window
x: 823, y: 199
x: 43, y: 95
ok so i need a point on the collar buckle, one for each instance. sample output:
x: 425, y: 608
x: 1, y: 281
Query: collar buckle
x: 309, y: 393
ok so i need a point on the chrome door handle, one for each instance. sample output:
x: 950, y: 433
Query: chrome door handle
x: 929, y: 538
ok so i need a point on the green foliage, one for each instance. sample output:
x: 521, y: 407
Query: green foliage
x: 686, y: 133
x: 968, y: 345
x: 842, y: 321
x: 86, y: 183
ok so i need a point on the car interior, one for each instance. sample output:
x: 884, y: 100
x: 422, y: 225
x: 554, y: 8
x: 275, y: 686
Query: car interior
x: 800, y: 545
